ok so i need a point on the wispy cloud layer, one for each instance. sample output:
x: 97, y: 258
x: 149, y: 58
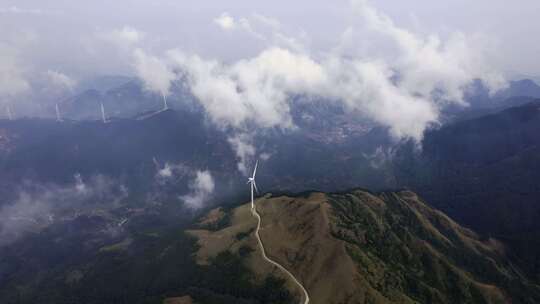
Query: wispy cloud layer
x: 395, y: 77
x: 404, y: 88
x: 27, y: 11
x: 156, y: 75
x: 225, y: 21
x: 40, y: 205
x: 61, y: 80
x: 123, y: 37
x: 242, y: 144
x: 252, y: 90
x: 13, y: 80
x: 202, y: 188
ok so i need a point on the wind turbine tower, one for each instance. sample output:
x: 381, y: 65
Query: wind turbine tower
x: 103, y: 117
x: 251, y: 181
x: 165, y: 104
x: 58, y: 116
x: 9, y: 113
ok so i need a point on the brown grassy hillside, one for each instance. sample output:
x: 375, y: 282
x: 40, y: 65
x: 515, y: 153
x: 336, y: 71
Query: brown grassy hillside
x: 361, y: 247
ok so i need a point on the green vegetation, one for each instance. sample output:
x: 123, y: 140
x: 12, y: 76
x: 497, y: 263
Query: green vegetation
x: 242, y: 235
x: 405, y: 252
x: 411, y: 253
x: 221, y: 223
x: 232, y: 281
x: 151, y: 266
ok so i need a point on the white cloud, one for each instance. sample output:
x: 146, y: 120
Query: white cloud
x: 250, y: 91
x: 40, y: 205
x: 13, y: 80
x: 129, y: 34
x: 80, y: 186
x: 166, y: 172
x: 265, y: 156
x: 257, y: 90
x: 428, y: 65
x: 245, y: 25
x: 170, y: 171
x: 25, y: 11
x: 155, y: 73
x: 151, y: 70
x: 268, y: 21
x: 403, y: 88
x: 123, y: 37
x: 61, y: 80
x: 242, y: 145
x: 120, y: 46
x: 367, y: 87
x: 380, y: 157
x: 262, y: 28
x: 201, y: 188
x: 225, y: 21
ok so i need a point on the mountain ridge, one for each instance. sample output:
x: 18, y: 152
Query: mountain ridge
x: 286, y: 219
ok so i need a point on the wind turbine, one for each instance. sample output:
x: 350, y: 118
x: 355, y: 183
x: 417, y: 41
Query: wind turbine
x: 103, y: 113
x: 251, y: 181
x: 58, y: 116
x: 9, y: 113
x: 165, y: 104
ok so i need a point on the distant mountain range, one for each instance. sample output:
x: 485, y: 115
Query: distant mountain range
x: 484, y: 172
x: 125, y: 100
x: 125, y: 97
x: 478, y: 96
x: 103, y: 83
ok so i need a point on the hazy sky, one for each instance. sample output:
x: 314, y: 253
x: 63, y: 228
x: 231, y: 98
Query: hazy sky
x: 61, y: 34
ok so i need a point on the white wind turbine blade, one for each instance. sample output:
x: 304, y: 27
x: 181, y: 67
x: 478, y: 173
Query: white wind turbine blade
x: 255, y: 171
x: 255, y: 185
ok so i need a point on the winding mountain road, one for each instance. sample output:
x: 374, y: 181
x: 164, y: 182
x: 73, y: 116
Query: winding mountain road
x: 256, y: 214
